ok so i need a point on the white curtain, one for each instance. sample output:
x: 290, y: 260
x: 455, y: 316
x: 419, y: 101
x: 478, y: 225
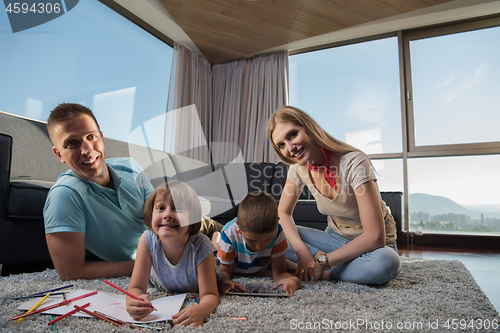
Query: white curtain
x: 246, y: 93
x: 219, y: 113
x: 189, y: 107
x: 228, y: 101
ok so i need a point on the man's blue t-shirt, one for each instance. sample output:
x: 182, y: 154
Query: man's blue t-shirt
x: 111, y: 220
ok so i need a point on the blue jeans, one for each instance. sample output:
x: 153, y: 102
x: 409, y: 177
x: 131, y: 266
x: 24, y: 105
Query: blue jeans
x: 376, y: 267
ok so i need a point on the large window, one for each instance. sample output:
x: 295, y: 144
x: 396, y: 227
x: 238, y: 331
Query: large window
x: 455, y: 81
x: 353, y: 91
x: 445, y: 157
x: 452, y: 82
x: 93, y: 56
x: 455, y: 194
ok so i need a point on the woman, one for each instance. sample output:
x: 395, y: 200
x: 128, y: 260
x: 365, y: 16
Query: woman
x: 359, y: 244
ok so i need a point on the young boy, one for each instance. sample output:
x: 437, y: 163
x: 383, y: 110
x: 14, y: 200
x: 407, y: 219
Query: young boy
x: 252, y: 241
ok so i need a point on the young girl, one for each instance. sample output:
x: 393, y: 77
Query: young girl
x: 182, y: 258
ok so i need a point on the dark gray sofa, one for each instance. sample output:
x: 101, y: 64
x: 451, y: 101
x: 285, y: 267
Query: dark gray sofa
x: 27, y: 176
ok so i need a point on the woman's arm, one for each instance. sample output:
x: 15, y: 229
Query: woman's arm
x: 194, y: 315
x: 372, y: 220
x: 306, y: 263
x: 139, y: 282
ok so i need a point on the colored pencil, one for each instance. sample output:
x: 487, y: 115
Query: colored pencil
x: 55, y: 289
x: 52, y: 322
x: 151, y: 327
x: 34, y: 307
x: 50, y: 307
x: 127, y: 293
x: 54, y: 327
x: 96, y: 315
x: 118, y: 320
x: 41, y: 293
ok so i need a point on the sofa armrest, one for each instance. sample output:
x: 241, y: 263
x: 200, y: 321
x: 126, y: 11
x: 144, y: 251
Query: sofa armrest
x: 393, y: 200
x: 27, y: 199
x: 5, y: 162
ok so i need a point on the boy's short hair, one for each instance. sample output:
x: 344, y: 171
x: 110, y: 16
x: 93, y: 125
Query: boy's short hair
x: 258, y: 213
x: 182, y: 195
x: 68, y: 111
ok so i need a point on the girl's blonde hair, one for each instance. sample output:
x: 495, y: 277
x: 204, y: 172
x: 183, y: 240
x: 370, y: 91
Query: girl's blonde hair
x: 290, y: 114
x: 183, y: 196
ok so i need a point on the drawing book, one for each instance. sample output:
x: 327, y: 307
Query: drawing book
x: 111, y: 304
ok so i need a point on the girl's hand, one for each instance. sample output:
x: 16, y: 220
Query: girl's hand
x: 290, y: 285
x: 193, y: 315
x: 139, y: 309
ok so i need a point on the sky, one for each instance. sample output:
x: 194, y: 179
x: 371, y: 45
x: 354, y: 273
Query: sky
x: 455, y: 79
x: 90, y: 55
x: 354, y: 93
x: 93, y: 56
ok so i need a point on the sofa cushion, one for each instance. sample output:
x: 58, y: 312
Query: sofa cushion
x: 219, y: 209
x: 278, y: 183
x: 259, y: 176
x: 27, y: 198
x: 279, y: 179
x: 236, y: 180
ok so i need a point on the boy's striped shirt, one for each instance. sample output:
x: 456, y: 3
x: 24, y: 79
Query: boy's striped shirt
x: 232, y: 250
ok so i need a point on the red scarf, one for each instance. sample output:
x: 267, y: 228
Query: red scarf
x: 329, y: 174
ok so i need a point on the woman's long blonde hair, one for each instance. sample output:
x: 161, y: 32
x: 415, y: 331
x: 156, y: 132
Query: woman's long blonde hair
x: 290, y: 114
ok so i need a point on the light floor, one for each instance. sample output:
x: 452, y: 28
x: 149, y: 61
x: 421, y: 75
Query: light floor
x: 484, y: 265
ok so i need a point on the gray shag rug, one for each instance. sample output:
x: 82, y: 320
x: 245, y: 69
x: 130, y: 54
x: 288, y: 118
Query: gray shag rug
x: 427, y: 296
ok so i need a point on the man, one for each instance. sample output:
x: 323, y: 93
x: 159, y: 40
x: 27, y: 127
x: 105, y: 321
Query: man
x: 97, y: 205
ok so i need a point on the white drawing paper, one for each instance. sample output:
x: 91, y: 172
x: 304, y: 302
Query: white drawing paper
x: 112, y: 305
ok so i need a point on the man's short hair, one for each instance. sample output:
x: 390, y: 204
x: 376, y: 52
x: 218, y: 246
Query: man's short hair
x: 68, y: 111
x: 258, y: 213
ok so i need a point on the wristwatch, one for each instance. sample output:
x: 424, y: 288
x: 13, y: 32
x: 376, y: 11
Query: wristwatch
x: 323, y: 261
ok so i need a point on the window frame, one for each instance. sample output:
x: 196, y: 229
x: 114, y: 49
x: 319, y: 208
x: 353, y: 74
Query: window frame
x: 440, y: 150
x: 129, y: 15
x: 409, y: 148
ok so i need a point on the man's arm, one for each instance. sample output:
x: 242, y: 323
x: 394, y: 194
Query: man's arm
x: 67, y: 250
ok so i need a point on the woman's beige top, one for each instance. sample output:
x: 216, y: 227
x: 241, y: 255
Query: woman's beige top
x: 343, y: 214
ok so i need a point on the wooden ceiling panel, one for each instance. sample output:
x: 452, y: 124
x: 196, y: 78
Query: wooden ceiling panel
x: 340, y: 15
x: 266, y: 32
x: 375, y: 6
x: 225, y: 30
